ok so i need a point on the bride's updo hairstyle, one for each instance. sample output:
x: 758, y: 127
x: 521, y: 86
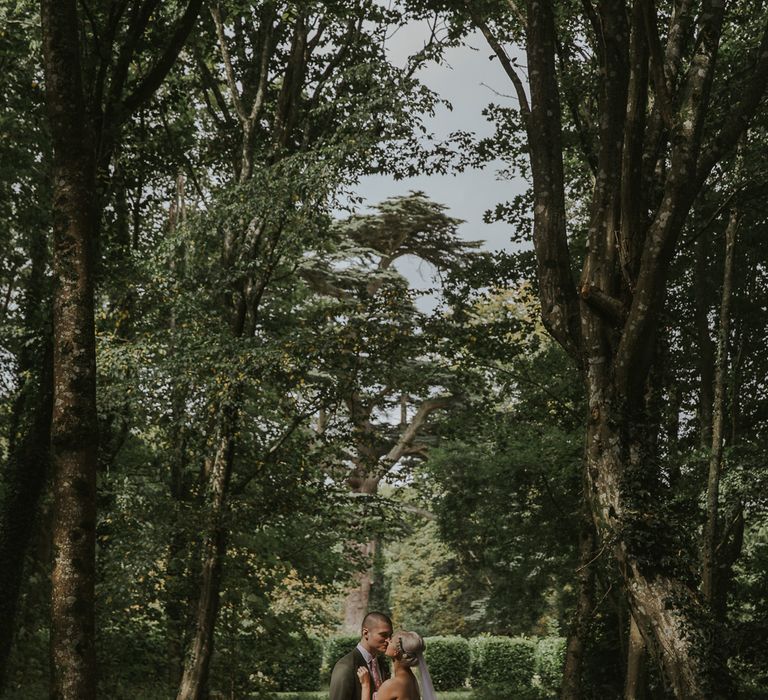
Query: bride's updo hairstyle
x: 410, y: 647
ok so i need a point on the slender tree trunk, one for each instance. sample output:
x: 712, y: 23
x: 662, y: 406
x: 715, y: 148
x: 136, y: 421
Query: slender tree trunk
x: 74, y: 422
x: 176, y: 587
x: 194, y: 680
x: 709, y: 562
x: 356, y: 601
x: 585, y: 604
x: 24, y: 475
x: 359, y: 593
x: 24, y: 481
x: 706, y: 352
x: 635, y: 682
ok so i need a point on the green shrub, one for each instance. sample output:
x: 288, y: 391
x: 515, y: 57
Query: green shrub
x: 550, y: 660
x: 502, y: 661
x: 298, y: 668
x: 448, y: 661
x: 334, y: 649
x: 337, y: 647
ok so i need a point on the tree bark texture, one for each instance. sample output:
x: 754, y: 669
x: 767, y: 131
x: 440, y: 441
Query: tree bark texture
x: 634, y: 685
x: 652, y: 160
x: 356, y: 600
x: 194, y: 679
x: 585, y: 604
x: 74, y: 421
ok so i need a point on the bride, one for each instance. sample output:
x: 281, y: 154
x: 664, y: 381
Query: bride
x: 406, y: 649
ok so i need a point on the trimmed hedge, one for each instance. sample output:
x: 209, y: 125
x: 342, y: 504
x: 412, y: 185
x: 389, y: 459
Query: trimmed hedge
x: 298, y: 669
x: 502, y: 661
x: 448, y: 661
x: 337, y: 647
x: 550, y: 661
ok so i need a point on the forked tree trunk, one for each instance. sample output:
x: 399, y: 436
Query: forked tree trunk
x: 74, y: 422
x: 654, y: 92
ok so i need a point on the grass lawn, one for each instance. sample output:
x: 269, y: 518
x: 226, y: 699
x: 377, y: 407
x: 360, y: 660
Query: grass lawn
x: 323, y: 695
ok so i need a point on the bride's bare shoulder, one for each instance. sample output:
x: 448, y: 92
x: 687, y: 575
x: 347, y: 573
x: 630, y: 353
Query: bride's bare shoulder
x: 395, y: 689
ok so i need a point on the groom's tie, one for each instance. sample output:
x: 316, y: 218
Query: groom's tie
x: 375, y: 673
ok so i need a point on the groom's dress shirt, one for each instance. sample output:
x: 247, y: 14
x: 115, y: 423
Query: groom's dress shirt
x: 373, y: 668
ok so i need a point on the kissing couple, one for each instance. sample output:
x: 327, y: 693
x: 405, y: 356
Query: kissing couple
x: 358, y: 675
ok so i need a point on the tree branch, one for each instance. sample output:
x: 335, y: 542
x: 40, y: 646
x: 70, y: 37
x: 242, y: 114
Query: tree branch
x: 227, y: 61
x: 504, y: 59
x: 409, y: 434
x: 606, y: 305
x: 154, y: 78
x: 737, y: 121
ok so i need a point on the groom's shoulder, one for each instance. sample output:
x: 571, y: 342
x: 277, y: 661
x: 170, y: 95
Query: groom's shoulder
x: 349, y: 658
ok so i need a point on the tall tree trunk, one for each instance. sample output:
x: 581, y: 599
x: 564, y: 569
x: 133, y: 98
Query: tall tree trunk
x: 194, y: 680
x: 706, y: 352
x: 176, y: 586
x: 709, y: 562
x: 585, y: 604
x: 359, y: 592
x: 74, y: 421
x: 356, y: 600
x: 635, y: 682
x: 641, y: 543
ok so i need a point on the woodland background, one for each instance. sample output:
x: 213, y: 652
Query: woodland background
x: 229, y: 424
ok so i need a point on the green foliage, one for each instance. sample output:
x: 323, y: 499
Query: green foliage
x: 504, y: 483
x: 549, y: 662
x: 297, y: 667
x: 502, y: 661
x: 448, y: 661
x: 426, y: 588
x: 336, y: 647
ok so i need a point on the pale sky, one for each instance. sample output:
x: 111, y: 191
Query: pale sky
x: 469, y: 81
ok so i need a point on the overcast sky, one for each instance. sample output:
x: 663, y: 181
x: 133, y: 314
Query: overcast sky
x: 469, y: 81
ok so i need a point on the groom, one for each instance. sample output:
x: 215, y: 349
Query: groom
x: 375, y: 635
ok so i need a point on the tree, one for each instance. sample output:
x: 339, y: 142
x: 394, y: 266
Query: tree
x: 504, y: 481
x: 667, y: 112
x: 73, y: 429
x: 301, y: 97
x: 385, y: 362
x: 77, y: 211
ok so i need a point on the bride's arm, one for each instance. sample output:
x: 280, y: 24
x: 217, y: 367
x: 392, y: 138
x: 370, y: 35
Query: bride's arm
x: 365, y: 680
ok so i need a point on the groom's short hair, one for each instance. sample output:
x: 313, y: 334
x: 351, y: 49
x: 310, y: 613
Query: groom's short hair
x: 374, y: 617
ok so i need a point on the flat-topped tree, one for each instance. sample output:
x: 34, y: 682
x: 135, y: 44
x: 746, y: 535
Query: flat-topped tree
x: 389, y: 378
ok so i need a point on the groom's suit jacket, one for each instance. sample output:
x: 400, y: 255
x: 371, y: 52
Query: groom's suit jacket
x: 344, y: 682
